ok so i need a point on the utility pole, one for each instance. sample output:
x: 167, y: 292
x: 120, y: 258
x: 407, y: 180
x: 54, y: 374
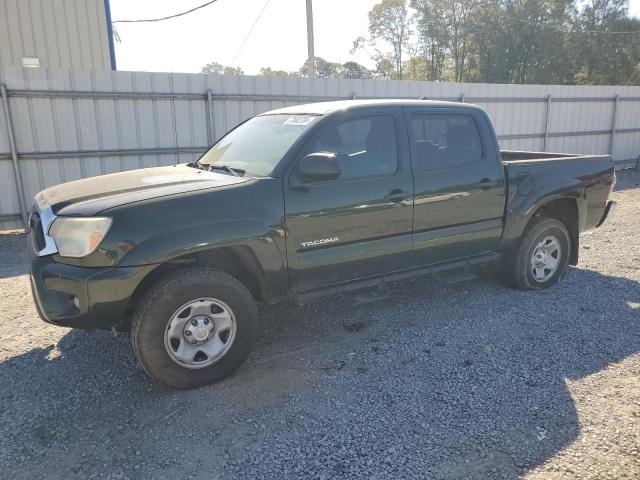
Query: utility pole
x: 311, y: 61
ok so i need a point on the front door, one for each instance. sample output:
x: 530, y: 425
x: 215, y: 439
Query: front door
x: 358, y: 225
x: 459, y: 186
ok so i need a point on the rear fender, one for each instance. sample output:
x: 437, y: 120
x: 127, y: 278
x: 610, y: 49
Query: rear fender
x: 521, y: 208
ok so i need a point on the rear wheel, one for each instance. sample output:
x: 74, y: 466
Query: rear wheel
x: 541, y: 256
x: 194, y: 327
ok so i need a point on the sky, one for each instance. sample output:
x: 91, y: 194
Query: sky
x: 216, y: 33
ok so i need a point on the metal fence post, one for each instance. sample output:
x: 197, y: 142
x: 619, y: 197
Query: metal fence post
x: 210, y: 133
x: 547, y: 114
x: 14, y: 155
x: 612, y: 142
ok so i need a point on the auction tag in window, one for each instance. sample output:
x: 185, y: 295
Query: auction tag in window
x: 299, y: 120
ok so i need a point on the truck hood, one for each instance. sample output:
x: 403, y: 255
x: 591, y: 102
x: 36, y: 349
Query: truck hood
x: 93, y: 195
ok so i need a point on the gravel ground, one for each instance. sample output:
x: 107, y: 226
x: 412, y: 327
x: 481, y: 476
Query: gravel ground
x: 469, y: 380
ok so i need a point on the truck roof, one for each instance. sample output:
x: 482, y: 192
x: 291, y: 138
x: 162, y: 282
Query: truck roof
x: 322, y: 108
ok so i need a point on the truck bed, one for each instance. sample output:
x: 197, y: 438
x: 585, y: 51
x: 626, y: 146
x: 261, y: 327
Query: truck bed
x: 587, y: 178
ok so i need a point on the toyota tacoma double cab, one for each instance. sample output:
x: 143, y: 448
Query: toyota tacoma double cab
x: 300, y: 203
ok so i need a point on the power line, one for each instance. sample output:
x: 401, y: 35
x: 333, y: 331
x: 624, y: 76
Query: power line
x: 250, y: 31
x: 165, y: 18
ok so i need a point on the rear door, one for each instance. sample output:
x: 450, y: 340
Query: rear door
x: 360, y: 224
x: 459, y: 184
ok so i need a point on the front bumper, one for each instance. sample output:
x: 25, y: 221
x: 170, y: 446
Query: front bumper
x: 608, y: 213
x: 103, y: 294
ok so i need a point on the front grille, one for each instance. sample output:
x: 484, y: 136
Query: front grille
x: 37, y: 232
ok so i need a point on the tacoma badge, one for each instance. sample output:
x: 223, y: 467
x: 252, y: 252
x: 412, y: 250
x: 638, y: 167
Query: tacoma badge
x: 321, y: 241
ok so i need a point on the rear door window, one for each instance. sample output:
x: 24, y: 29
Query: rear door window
x: 442, y: 141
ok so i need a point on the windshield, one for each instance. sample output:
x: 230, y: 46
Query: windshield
x: 257, y: 145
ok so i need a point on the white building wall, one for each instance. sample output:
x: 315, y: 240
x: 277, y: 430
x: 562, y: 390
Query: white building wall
x: 60, y: 33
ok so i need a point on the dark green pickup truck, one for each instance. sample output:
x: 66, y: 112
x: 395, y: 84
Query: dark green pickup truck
x: 300, y: 203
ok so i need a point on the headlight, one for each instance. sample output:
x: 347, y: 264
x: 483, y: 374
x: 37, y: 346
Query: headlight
x: 78, y: 237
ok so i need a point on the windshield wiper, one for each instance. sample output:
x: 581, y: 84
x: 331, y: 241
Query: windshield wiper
x: 197, y: 165
x: 236, y: 172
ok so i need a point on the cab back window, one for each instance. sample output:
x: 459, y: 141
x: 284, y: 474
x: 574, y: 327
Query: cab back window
x: 445, y: 141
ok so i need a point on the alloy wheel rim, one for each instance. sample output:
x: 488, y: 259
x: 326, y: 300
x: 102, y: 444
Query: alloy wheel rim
x: 200, y: 333
x: 545, y: 259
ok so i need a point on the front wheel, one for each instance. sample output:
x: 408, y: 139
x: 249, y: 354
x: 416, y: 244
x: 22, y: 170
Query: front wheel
x: 194, y: 327
x: 541, y: 256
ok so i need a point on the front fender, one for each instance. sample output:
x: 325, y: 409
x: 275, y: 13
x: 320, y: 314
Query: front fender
x: 266, y: 244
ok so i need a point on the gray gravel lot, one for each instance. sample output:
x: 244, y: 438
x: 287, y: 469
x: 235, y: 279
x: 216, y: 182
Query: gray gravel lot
x: 469, y: 380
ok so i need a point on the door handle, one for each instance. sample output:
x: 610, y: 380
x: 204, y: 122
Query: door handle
x: 396, y: 195
x: 486, y: 183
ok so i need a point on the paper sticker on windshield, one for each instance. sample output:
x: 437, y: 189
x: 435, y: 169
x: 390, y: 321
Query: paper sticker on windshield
x: 299, y: 120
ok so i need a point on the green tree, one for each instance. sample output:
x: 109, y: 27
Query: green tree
x: 385, y: 67
x: 269, y: 72
x: 390, y: 22
x: 607, y: 58
x: 324, y: 69
x: 354, y: 70
x: 415, y: 68
x: 218, y: 68
x: 522, y: 41
x: 446, y: 28
x: 494, y: 41
x: 433, y: 36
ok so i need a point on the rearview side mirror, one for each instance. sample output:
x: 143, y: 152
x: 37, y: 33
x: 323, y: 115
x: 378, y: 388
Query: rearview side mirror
x: 319, y: 167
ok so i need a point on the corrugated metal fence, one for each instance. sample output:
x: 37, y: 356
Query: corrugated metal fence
x: 73, y: 124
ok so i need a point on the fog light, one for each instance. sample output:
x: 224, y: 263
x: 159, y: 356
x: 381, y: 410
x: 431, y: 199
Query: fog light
x: 76, y: 302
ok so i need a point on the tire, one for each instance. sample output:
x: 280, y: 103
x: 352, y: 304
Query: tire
x: 170, y: 308
x: 519, y: 263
